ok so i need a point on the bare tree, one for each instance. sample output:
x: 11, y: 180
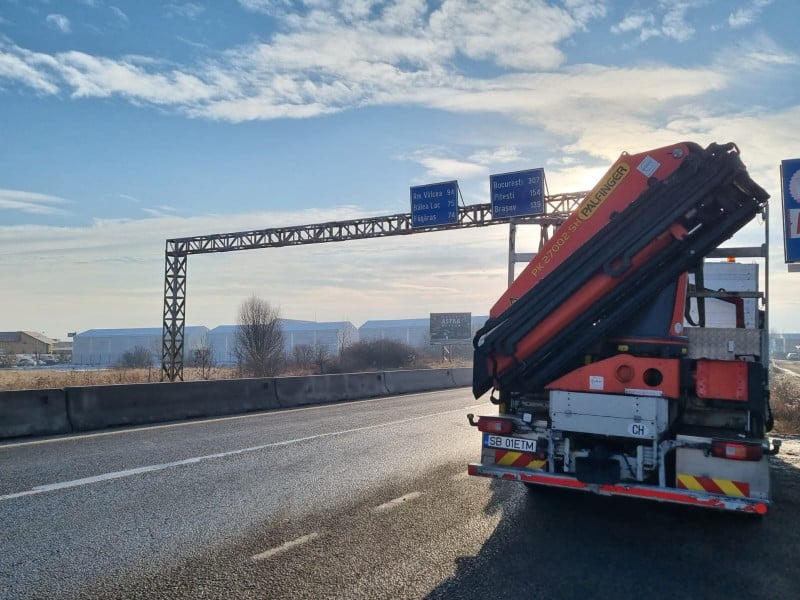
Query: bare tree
x: 344, y: 338
x: 321, y: 358
x: 303, y: 356
x: 259, y: 338
x: 203, y: 356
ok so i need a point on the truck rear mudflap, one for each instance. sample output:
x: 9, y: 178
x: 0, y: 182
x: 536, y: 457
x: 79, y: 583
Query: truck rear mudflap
x: 688, y: 497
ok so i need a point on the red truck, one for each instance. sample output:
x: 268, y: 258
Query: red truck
x: 630, y: 357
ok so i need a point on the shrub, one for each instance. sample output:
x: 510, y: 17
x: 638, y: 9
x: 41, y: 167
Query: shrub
x: 785, y: 402
x: 376, y: 355
x: 138, y: 358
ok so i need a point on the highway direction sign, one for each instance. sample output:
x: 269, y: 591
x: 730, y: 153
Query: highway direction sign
x: 517, y: 194
x: 434, y: 204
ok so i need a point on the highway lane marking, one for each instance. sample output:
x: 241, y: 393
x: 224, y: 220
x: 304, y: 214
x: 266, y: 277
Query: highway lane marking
x: 285, y: 546
x: 396, y: 502
x: 271, y: 413
x: 40, y: 489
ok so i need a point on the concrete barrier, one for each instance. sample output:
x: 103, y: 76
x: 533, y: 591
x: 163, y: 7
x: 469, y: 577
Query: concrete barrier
x: 33, y: 412
x: 424, y: 380
x: 47, y: 412
x: 96, y: 407
x: 462, y: 376
x: 321, y: 389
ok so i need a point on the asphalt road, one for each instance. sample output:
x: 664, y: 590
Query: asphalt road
x: 359, y: 500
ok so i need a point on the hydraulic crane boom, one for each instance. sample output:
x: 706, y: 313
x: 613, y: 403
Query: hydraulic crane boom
x: 652, y: 217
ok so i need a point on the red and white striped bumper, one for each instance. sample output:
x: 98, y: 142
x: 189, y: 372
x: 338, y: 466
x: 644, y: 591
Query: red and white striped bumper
x: 647, y: 492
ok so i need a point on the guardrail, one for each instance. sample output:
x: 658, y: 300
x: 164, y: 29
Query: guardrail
x: 88, y: 408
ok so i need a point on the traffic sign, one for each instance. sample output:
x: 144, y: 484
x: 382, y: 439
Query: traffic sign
x: 517, y: 194
x: 790, y: 190
x: 434, y: 204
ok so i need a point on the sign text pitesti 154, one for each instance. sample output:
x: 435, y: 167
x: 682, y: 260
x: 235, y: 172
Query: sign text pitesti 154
x: 517, y: 194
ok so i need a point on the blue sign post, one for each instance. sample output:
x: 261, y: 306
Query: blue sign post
x: 517, y: 194
x: 434, y: 204
x: 790, y: 190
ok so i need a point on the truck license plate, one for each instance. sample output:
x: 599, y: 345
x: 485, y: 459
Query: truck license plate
x: 509, y: 443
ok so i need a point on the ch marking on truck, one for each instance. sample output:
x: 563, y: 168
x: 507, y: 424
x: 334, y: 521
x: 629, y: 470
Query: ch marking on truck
x: 639, y: 430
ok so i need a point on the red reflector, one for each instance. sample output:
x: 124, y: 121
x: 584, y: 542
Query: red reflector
x: 472, y: 470
x: 495, y: 425
x: 737, y: 450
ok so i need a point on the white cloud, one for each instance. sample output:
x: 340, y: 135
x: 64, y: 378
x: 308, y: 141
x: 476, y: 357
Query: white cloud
x: 188, y: 10
x: 522, y: 34
x: 17, y: 67
x: 756, y: 53
x: 335, y: 56
x: 60, y: 22
x: 644, y: 23
x: 265, y: 6
x: 121, y: 16
x: 497, y: 156
x: 450, y: 168
x: 116, y: 267
x: 90, y: 76
x: 32, y: 203
x: 747, y: 15
x: 160, y: 211
x: 669, y: 19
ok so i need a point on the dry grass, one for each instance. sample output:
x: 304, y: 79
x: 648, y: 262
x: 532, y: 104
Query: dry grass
x: 42, y: 378
x: 785, y: 402
x: 32, y: 379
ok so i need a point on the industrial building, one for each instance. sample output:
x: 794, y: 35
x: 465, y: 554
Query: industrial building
x: 332, y: 336
x: 25, y: 342
x: 414, y: 332
x: 105, y: 347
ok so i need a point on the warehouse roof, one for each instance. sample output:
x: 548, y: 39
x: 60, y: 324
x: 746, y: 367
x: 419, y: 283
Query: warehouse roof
x: 136, y: 331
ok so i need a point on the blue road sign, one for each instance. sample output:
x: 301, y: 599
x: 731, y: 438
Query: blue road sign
x: 434, y: 204
x: 517, y: 194
x: 790, y: 190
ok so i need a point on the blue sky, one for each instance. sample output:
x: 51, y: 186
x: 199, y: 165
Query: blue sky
x: 126, y: 123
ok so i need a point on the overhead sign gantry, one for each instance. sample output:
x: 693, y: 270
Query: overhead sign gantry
x: 178, y: 250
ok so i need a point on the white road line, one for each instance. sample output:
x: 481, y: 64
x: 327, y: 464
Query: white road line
x: 40, y: 489
x: 266, y: 413
x: 396, y: 502
x: 285, y: 546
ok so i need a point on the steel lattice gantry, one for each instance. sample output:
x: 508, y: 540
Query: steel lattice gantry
x: 178, y: 250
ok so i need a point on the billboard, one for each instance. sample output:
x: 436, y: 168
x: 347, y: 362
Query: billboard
x: 451, y: 327
x: 790, y: 191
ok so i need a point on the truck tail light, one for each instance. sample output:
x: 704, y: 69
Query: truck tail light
x: 737, y: 450
x: 495, y: 425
